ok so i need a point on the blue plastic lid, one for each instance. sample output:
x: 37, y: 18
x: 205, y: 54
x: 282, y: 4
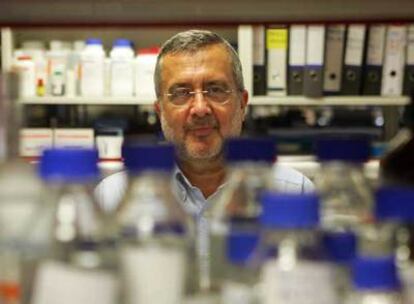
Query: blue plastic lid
x: 375, y: 273
x: 93, y: 41
x: 353, y: 149
x: 395, y: 203
x: 240, y: 246
x: 250, y: 149
x: 141, y: 157
x: 122, y: 43
x: 69, y: 165
x: 340, y: 247
x: 289, y: 210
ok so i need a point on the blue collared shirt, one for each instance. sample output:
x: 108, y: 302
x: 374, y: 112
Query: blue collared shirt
x: 112, y: 189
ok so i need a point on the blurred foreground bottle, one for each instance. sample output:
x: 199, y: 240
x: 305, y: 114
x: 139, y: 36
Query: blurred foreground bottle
x: 19, y: 191
x: 395, y: 210
x: 293, y: 268
x: 375, y: 281
x: 153, y: 230
x: 69, y: 258
x: 236, y: 212
x: 346, y: 196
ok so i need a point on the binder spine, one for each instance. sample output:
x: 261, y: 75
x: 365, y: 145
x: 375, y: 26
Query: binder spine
x: 408, y: 86
x: 372, y: 77
x: 352, y: 72
x: 315, y: 49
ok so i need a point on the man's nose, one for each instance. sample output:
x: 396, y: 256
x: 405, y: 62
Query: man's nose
x: 200, y: 105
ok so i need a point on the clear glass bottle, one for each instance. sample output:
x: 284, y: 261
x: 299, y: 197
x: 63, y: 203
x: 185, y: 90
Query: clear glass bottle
x: 20, y: 190
x: 346, y: 195
x: 375, y: 280
x: 293, y: 269
x: 240, y: 282
x: 249, y: 163
x: 68, y: 255
x: 340, y: 248
x: 153, y: 230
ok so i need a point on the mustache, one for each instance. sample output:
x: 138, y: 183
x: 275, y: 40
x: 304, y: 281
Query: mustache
x: 201, y: 123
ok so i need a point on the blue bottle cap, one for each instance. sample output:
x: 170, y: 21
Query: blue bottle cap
x: 340, y: 247
x: 240, y: 246
x: 375, y: 273
x: 289, y: 211
x: 122, y: 43
x: 395, y: 203
x: 69, y: 165
x: 250, y: 149
x: 352, y: 149
x: 93, y: 41
x: 141, y: 157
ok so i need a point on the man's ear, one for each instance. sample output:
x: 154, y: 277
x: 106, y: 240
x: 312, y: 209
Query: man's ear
x: 157, y: 108
x: 244, y: 101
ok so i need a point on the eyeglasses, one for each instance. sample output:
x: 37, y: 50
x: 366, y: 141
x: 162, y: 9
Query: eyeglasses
x: 217, y: 94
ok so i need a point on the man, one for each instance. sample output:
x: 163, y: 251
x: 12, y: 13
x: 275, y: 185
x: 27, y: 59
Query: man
x: 193, y: 69
x: 201, y: 101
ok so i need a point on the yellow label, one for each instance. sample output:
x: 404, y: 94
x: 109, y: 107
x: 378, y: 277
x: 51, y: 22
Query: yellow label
x: 276, y: 38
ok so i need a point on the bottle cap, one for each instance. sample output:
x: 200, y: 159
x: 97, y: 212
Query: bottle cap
x: 240, y: 246
x: 122, y: 43
x: 289, y: 211
x: 340, y: 247
x: 141, y: 157
x: 69, y: 165
x: 352, y: 149
x: 375, y: 273
x: 93, y: 41
x: 250, y: 149
x: 395, y: 203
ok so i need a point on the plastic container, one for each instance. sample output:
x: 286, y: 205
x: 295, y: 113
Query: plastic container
x: 57, y: 62
x: 92, y: 69
x: 122, y: 69
x: 144, y: 72
x: 25, y: 67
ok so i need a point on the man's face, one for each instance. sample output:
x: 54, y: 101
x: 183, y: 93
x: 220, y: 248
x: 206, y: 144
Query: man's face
x: 199, y: 127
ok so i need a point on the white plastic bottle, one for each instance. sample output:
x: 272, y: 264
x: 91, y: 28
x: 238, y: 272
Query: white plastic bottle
x: 25, y: 67
x: 144, y: 72
x: 57, y: 63
x: 92, y: 69
x: 122, y: 69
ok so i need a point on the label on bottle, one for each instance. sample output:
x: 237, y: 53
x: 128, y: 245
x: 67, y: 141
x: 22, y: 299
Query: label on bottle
x: 153, y: 275
x: 58, y: 283
x: 301, y: 283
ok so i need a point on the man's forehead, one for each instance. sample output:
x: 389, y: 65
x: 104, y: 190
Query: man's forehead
x: 214, y: 49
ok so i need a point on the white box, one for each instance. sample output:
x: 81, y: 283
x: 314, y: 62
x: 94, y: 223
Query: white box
x: 34, y: 140
x: 74, y: 138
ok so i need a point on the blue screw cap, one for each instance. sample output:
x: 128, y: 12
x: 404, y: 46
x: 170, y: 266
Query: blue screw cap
x: 250, y: 149
x: 289, y: 211
x: 69, y: 165
x: 141, y: 157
